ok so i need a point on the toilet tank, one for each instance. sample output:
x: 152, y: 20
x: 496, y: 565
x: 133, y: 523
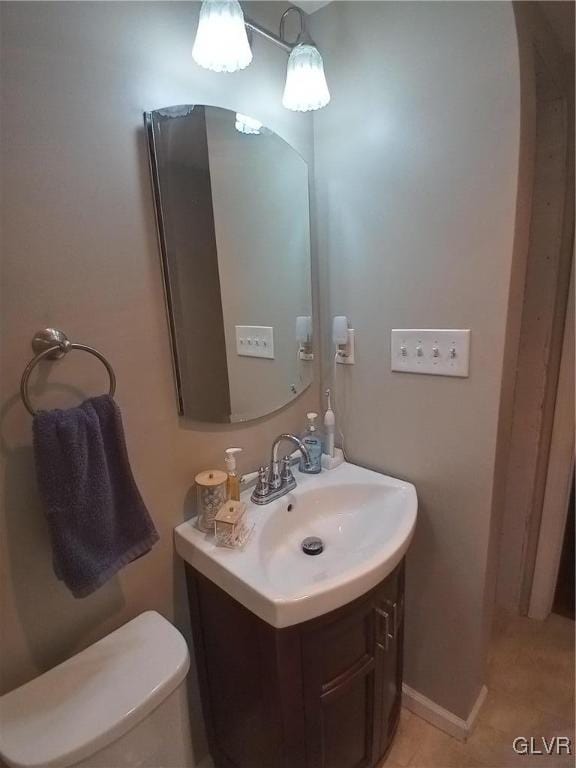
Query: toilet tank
x: 121, y: 702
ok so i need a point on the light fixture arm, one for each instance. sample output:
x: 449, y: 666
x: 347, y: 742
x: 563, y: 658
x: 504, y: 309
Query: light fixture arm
x: 268, y: 35
x: 283, y: 21
x: 280, y: 40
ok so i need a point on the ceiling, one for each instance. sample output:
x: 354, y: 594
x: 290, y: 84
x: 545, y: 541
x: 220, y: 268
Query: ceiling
x: 311, y: 6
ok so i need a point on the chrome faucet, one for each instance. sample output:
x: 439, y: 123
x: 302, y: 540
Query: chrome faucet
x: 277, y: 479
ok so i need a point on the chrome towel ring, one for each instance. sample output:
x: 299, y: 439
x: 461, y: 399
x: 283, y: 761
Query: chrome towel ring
x: 52, y: 344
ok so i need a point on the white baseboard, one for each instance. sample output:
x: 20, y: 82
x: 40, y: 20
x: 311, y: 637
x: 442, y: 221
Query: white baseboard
x: 438, y: 716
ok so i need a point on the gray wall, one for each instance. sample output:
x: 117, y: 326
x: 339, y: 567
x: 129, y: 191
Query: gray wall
x: 416, y: 165
x: 80, y: 252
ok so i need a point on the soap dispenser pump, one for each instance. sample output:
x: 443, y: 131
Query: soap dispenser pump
x: 233, y: 485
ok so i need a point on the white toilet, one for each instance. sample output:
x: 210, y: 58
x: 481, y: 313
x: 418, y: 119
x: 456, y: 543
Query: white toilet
x: 121, y: 702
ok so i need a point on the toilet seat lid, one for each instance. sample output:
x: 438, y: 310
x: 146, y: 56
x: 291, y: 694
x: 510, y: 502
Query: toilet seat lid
x: 94, y: 698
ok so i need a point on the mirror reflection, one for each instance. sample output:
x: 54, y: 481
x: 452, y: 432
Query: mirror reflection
x: 233, y: 219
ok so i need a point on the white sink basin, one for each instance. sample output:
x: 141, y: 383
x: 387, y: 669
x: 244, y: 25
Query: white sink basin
x: 365, y: 520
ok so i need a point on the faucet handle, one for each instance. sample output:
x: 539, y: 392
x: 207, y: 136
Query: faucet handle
x: 274, y: 477
x: 262, y: 485
x: 286, y: 474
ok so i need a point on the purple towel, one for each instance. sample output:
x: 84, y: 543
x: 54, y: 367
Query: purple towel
x: 98, y: 521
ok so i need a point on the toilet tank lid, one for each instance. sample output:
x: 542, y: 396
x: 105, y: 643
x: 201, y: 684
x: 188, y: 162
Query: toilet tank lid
x: 94, y: 698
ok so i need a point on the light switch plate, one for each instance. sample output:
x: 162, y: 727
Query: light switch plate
x: 255, y: 341
x: 435, y: 351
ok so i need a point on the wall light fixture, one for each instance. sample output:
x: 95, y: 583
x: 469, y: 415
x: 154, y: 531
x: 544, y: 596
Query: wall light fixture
x: 248, y: 125
x: 222, y: 45
x: 221, y: 42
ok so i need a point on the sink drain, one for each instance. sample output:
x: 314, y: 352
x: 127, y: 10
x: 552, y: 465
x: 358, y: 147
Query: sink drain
x: 312, y: 545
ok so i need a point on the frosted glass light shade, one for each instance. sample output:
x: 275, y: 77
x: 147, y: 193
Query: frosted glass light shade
x: 246, y: 124
x: 306, y: 86
x: 221, y: 42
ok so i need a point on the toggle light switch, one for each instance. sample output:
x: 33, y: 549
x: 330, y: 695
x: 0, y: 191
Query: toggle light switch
x: 439, y: 352
x: 255, y: 341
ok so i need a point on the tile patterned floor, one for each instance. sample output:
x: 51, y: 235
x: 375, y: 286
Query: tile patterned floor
x: 530, y: 693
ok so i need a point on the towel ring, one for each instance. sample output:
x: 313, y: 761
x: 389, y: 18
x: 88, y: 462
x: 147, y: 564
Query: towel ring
x: 52, y: 344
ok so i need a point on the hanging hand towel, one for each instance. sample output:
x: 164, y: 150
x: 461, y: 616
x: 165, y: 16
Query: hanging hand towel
x: 97, y: 519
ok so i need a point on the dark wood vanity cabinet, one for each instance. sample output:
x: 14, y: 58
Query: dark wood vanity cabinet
x: 322, y: 694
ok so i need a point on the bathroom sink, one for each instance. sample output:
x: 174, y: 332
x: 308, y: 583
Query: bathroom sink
x: 365, y: 521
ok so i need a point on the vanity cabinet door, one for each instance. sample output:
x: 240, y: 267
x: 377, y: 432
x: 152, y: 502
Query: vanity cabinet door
x: 389, y: 613
x: 339, y: 679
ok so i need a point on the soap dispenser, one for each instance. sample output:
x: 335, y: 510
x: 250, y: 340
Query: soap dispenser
x: 233, y: 485
x: 313, y: 443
